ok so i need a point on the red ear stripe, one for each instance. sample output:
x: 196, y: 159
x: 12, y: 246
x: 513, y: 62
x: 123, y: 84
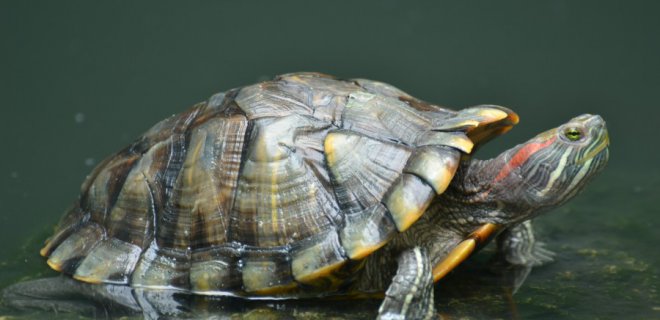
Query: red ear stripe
x: 521, y: 156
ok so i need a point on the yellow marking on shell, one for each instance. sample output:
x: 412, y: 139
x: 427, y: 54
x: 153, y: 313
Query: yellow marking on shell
x: 193, y: 158
x: 463, y: 250
x: 514, y: 118
x: 440, y: 181
x: 468, y: 123
x: 437, y: 170
x: 462, y: 143
x: 454, y: 258
x: 211, y: 275
x: 44, y: 251
x: 330, y: 150
x: 263, y: 278
x: 504, y: 130
x: 454, y: 140
x: 91, y: 275
x: 54, y: 265
x: 406, y: 207
x: 318, y: 273
x: 492, y: 122
x: 201, y: 283
x: 87, y: 279
x: 336, y: 146
x: 361, y: 250
x: 443, y: 179
x: 405, y: 213
x: 276, y: 290
x: 492, y: 114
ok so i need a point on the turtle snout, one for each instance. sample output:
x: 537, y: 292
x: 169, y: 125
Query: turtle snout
x: 595, y: 124
x: 595, y: 121
x: 598, y: 143
x: 590, y: 120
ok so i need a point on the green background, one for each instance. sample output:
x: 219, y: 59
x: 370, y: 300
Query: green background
x: 81, y: 79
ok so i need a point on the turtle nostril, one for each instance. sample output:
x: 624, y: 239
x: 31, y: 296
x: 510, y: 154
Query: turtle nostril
x: 595, y: 121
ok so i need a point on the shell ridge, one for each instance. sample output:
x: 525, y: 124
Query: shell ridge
x: 210, y: 177
x: 157, y: 263
x: 114, y: 184
x: 232, y: 209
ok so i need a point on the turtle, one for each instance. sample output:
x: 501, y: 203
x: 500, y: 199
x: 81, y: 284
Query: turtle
x: 308, y: 185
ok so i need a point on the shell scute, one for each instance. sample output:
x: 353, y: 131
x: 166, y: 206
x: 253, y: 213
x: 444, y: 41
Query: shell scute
x: 271, y: 99
x: 383, y: 118
x: 267, y: 272
x: 407, y: 200
x: 363, y: 168
x: 435, y: 164
x: 366, y: 231
x: 279, y: 197
x: 162, y: 268
x: 316, y: 257
x: 68, y: 254
x: 215, y: 269
x: 209, y: 177
x: 111, y: 261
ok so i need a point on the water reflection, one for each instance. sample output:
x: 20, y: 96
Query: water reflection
x: 583, y: 282
x: 489, y: 288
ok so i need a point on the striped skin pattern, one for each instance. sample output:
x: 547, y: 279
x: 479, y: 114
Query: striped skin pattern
x: 500, y: 196
x: 283, y: 188
x: 528, y: 179
x: 554, y: 169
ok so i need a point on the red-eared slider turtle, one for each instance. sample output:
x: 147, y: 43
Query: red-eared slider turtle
x: 308, y: 186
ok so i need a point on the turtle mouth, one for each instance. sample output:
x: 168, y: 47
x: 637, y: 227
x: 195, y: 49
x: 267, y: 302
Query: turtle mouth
x: 604, y: 143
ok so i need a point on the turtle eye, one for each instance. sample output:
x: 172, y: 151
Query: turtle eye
x: 573, y: 134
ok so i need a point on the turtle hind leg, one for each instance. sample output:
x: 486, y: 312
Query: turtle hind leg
x: 517, y: 246
x: 410, y: 295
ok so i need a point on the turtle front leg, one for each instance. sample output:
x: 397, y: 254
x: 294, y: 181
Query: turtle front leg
x: 517, y: 253
x: 518, y: 246
x: 410, y: 295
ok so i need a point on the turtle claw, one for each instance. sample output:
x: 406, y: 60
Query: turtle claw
x: 517, y: 246
x: 515, y: 261
x: 539, y: 255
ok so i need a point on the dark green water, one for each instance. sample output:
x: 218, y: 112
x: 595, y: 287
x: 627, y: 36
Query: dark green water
x: 80, y: 79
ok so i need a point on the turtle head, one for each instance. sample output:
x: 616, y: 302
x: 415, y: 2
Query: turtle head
x: 550, y: 168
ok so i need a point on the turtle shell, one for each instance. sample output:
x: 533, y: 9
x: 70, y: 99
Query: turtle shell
x: 271, y: 189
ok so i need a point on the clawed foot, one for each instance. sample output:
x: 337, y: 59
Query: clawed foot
x: 518, y: 246
x: 517, y: 253
x: 535, y: 256
x: 540, y: 255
